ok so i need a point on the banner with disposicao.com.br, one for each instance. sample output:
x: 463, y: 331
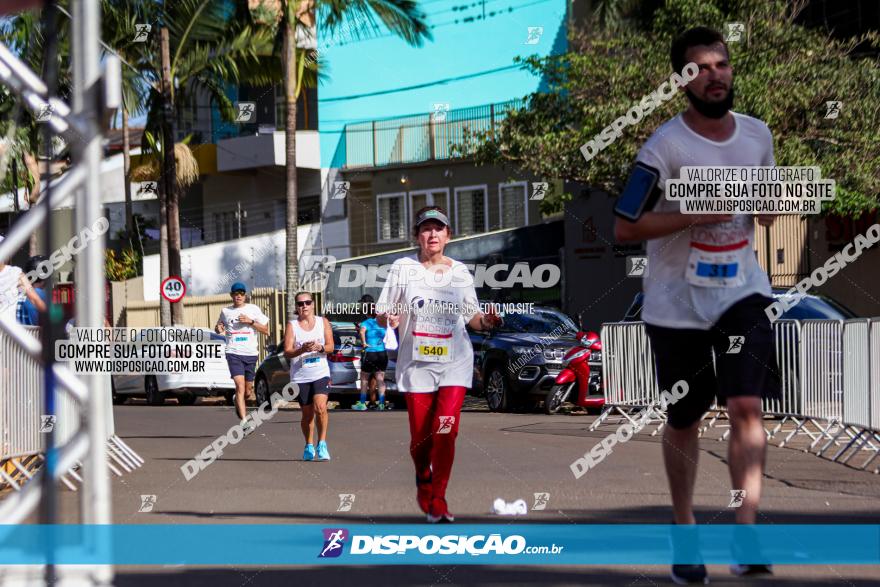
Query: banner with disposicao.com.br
x: 473, y: 544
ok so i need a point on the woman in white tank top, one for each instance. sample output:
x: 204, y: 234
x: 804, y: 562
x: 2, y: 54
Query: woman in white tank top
x: 307, y: 340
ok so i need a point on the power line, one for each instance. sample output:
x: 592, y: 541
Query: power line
x: 424, y: 85
x: 457, y: 21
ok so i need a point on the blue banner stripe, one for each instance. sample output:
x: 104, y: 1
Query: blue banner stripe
x: 479, y: 544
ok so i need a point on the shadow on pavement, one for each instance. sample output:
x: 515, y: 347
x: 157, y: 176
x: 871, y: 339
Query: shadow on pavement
x: 629, y: 515
x: 460, y: 575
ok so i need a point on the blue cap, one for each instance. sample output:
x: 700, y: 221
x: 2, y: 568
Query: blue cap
x: 238, y: 286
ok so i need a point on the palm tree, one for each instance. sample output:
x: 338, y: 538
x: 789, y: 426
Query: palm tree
x: 19, y: 130
x: 401, y: 17
x: 623, y: 14
x: 207, y: 47
x: 119, y: 20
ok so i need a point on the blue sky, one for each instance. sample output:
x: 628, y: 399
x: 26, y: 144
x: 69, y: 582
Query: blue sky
x: 478, y: 50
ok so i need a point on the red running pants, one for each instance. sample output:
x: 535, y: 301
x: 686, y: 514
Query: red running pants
x: 433, y: 427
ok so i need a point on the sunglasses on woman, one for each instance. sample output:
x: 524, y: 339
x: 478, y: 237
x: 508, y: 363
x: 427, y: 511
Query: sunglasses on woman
x: 304, y: 303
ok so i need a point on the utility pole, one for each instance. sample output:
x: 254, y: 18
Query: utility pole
x: 126, y: 171
x: 291, y: 75
x: 238, y: 217
x: 15, y: 204
x: 169, y: 175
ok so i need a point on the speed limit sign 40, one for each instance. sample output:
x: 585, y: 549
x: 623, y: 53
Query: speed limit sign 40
x: 173, y: 289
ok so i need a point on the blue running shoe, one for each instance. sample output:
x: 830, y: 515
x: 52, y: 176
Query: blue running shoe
x: 323, y: 453
x: 309, y: 452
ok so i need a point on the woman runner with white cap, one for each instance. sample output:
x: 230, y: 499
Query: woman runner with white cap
x: 432, y: 298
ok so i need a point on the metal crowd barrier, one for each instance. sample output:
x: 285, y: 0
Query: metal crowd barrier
x: 829, y: 372
x: 630, y: 383
x: 21, y: 411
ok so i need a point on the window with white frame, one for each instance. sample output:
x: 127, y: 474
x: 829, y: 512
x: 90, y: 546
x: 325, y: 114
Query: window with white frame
x: 513, y: 204
x: 470, y: 210
x: 436, y: 197
x: 391, y: 217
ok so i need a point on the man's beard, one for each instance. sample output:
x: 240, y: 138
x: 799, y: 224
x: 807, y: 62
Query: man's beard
x: 711, y: 109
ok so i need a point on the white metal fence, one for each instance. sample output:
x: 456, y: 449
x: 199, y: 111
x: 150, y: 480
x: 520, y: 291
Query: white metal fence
x: 19, y: 407
x: 875, y: 373
x: 821, y: 348
x: 22, y: 407
x: 829, y: 372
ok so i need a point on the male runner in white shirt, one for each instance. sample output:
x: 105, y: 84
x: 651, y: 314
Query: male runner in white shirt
x: 704, y: 285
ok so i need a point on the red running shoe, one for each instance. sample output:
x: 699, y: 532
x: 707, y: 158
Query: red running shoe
x: 424, y: 493
x: 439, y: 512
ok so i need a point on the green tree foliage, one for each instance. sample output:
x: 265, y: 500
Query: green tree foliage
x: 20, y: 136
x: 125, y: 265
x: 783, y: 74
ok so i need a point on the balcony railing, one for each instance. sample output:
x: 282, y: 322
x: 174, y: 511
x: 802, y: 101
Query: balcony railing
x: 420, y: 137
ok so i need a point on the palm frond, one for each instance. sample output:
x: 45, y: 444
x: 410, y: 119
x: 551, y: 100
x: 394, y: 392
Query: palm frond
x: 401, y: 17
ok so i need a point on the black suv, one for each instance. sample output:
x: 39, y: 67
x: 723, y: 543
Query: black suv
x: 810, y: 307
x: 517, y: 364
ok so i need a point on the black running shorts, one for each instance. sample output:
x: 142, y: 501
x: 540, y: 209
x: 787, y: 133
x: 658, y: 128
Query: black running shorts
x: 308, y: 391
x: 373, y: 362
x: 746, y: 366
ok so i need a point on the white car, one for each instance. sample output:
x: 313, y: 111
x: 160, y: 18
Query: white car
x: 215, y: 380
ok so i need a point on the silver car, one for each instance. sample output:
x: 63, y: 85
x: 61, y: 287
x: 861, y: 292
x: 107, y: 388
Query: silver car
x: 215, y: 380
x: 345, y: 369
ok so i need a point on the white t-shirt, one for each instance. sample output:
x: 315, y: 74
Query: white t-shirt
x: 672, y: 297
x: 308, y: 366
x: 9, y: 291
x: 241, y: 339
x: 435, y: 349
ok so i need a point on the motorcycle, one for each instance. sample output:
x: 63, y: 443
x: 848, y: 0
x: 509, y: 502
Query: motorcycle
x: 581, y: 372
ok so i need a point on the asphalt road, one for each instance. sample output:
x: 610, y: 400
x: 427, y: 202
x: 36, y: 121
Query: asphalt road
x: 264, y: 480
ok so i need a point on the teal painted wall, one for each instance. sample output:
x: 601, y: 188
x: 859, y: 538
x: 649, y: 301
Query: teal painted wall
x: 464, y: 44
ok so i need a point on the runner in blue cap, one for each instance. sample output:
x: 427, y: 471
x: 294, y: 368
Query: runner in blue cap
x: 241, y: 322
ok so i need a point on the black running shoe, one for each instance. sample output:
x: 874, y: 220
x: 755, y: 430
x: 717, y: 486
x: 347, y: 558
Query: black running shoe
x: 747, y: 546
x: 689, y: 575
x: 684, y: 542
x: 751, y: 570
